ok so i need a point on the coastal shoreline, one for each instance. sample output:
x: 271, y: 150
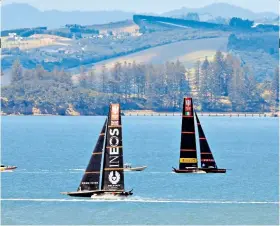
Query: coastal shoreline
x: 153, y: 113
x: 214, y: 114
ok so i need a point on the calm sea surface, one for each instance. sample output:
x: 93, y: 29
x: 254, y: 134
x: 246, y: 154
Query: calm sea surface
x: 51, y: 153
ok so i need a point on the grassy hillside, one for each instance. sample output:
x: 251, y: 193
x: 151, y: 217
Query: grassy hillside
x: 186, y: 51
x: 35, y: 41
x: 117, y: 27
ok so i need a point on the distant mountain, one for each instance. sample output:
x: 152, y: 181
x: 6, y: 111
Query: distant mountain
x: 223, y: 10
x: 32, y: 17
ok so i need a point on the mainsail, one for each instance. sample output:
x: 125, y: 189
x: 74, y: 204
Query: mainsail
x: 206, y: 156
x: 188, y: 156
x: 90, y: 180
x: 113, y: 176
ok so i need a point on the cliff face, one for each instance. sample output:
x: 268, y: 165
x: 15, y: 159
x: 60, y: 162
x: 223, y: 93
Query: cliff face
x: 36, y: 111
x: 71, y: 112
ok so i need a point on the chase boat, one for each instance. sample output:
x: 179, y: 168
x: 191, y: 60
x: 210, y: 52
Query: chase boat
x: 7, y: 168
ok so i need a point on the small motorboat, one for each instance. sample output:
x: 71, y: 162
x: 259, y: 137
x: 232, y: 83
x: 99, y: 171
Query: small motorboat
x: 128, y: 167
x: 7, y: 168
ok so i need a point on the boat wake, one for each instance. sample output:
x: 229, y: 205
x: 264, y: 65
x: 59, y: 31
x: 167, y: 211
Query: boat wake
x: 47, y: 171
x: 168, y: 172
x: 200, y: 171
x: 7, y: 171
x: 143, y: 172
x: 44, y: 171
x: 40, y: 172
x: 108, y: 197
x: 140, y: 200
x: 76, y: 169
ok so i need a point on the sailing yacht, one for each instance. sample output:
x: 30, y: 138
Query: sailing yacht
x: 188, y: 162
x: 106, y: 178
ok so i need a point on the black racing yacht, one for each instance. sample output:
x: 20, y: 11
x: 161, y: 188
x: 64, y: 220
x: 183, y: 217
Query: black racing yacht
x: 188, y: 162
x: 104, y: 174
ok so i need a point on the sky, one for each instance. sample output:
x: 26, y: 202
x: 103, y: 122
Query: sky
x: 148, y: 6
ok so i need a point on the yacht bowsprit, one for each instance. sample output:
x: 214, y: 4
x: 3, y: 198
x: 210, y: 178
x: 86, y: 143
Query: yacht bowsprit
x: 107, y: 178
x: 188, y: 162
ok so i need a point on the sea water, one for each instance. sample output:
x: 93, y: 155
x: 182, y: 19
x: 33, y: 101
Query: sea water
x: 52, y: 152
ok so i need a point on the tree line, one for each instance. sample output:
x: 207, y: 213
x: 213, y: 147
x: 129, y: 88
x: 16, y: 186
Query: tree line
x: 223, y: 83
x: 229, y: 84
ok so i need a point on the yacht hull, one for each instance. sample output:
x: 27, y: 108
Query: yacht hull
x: 210, y: 170
x: 200, y: 170
x: 97, y: 193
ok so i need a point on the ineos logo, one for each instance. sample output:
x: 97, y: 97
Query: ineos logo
x: 114, y: 141
x: 114, y: 150
x: 114, y: 177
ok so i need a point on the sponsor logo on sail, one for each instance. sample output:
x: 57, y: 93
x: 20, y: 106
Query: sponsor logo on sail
x: 207, y: 160
x: 114, y: 143
x: 114, y: 151
x: 114, y: 123
x: 114, y: 177
x: 115, y: 112
x: 93, y: 182
x: 188, y: 160
x: 188, y: 107
x: 114, y: 147
x: 188, y: 102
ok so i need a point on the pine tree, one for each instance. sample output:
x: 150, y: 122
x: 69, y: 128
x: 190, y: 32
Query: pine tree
x: 92, y: 80
x: 104, y: 80
x: 228, y: 73
x: 205, y: 81
x: 126, y: 81
x: 251, y: 92
x: 17, y: 72
x: 83, y: 77
x: 134, y: 75
x: 219, y: 74
x: 197, y: 75
x: 116, y: 74
x: 275, y: 90
x: 151, y: 86
x: 182, y: 84
x: 141, y: 80
x: 237, y: 87
x: 40, y: 72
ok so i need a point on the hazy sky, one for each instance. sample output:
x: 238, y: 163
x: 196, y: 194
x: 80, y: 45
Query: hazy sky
x: 155, y: 6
